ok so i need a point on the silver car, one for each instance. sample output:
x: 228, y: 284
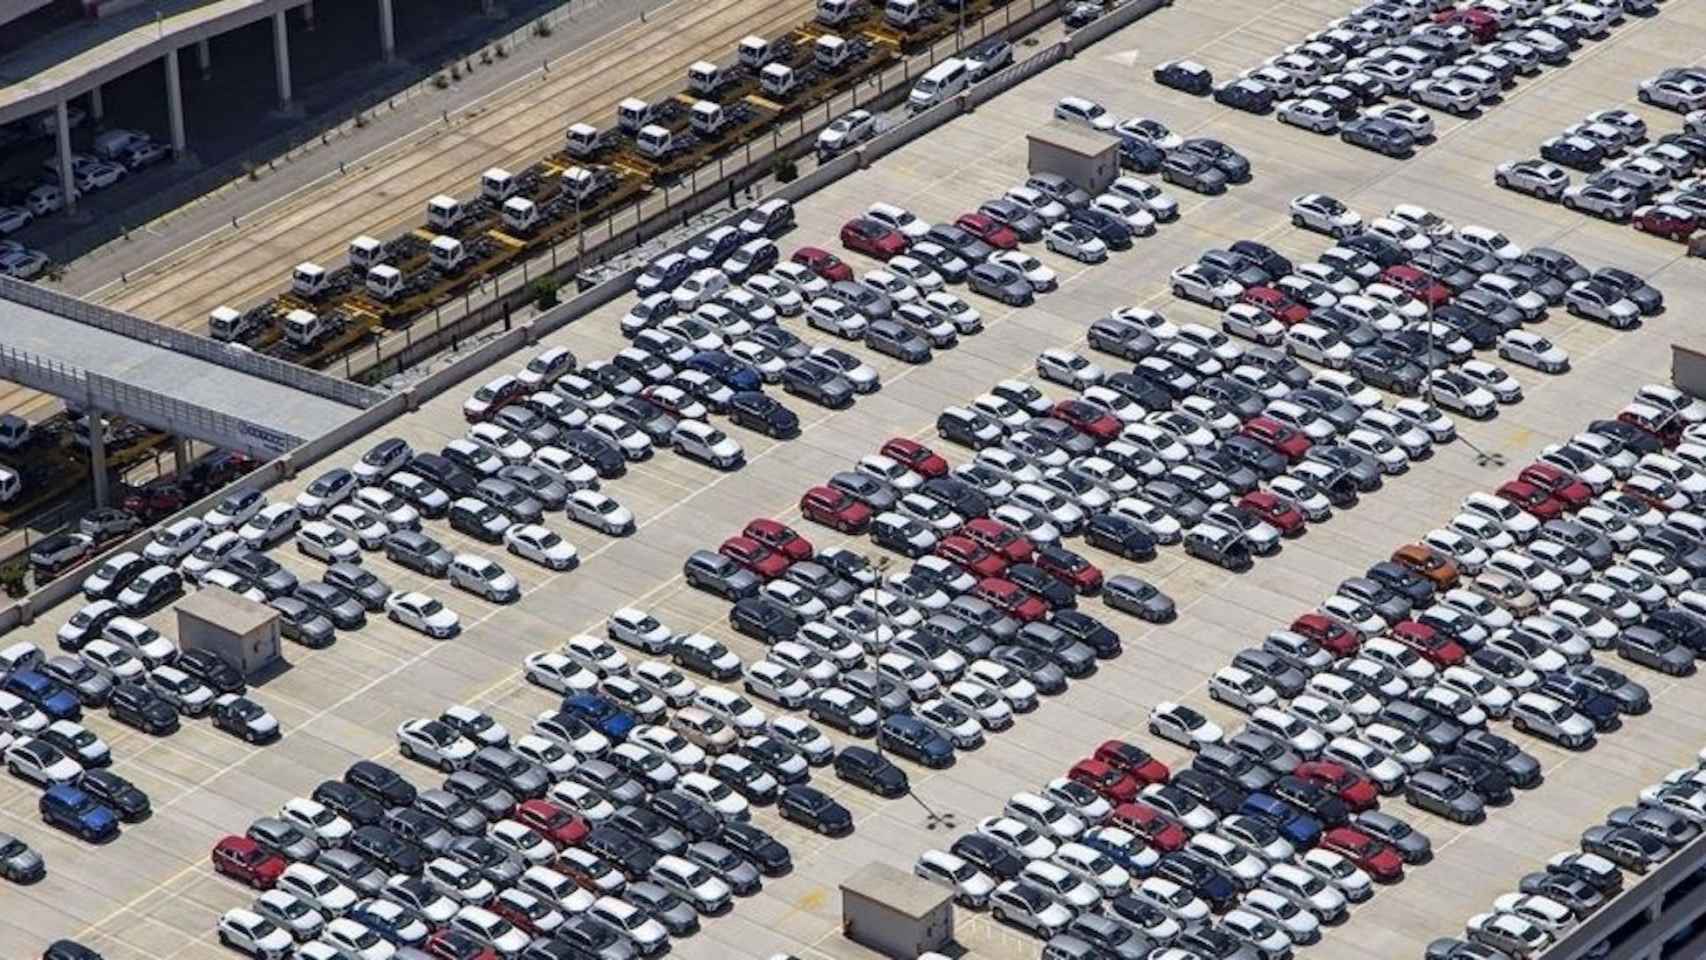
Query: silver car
x: 19, y: 863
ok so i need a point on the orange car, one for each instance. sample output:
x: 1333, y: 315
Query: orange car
x: 1428, y: 562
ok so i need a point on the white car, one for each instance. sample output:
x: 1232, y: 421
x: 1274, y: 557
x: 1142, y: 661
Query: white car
x: 1084, y: 113
x: 326, y: 543
x: 1039, y: 276
x: 422, y: 613
x: 1183, y: 725
x: 1205, y: 285
x: 40, y: 763
x: 434, y: 743
x: 314, y: 819
x: 541, y: 545
x: 1324, y: 214
x: 248, y: 932
x: 1138, y: 218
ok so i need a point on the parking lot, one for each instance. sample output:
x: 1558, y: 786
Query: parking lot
x: 341, y: 704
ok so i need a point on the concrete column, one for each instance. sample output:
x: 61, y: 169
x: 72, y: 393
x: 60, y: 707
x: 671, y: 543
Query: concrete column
x: 97, y: 104
x: 181, y: 459
x: 175, y: 102
x: 98, y: 454
x: 308, y: 14
x: 387, y: 32
x: 62, y: 133
x: 281, y: 57
x: 488, y: 6
x: 204, y: 56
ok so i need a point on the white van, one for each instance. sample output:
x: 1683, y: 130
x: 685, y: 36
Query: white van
x: 944, y: 81
x: 11, y: 485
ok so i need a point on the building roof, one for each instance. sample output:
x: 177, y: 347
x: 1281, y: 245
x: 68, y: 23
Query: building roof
x: 896, y: 890
x: 1065, y: 136
x: 226, y: 610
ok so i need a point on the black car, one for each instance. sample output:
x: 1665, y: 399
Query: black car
x: 1142, y: 390
x: 1048, y: 587
x: 1089, y: 631
x: 763, y: 413
x: 869, y: 770
x: 1211, y: 790
x: 1199, y: 877
x: 988, y: 856
x: 1313, y: 799
x: 600, y: 454
x: 1120, y: 535
x: 1111, y: 230
x: 704, y: 661
x: 763, y: 619
x: 968, y: 247
x: 839, y: 712
x: 237, y: 717
x: 1481, y: 333
x: 1382, y: 251
x: 1577, y: 153
x: 960, y: 496
x: 1140, y: 156
x: 349, y: 802
x: 442, y: 473
x: 1272, y: 262
x: 1186, y: 75
x: 380, y: 782
x: 124, y: 797
x: 814, y: 810
x: 1380, y: 135
x: 1485, y: 779
x: 385, y: 848
x: 212, y: 670
x: 136, y: 706
x: 757, y: 847
x: 1251, y: 96
x: 1255, y: 455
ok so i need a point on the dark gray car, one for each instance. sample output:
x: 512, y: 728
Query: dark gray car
x: 1595, y: 547
x: 1021, y: 221
x: 1272, y: 669
x: 821, y: 581
x: 1125, y: 339
x: 866, y: 489
x: 715, y: 573
x: 1631, y: 697
x: 1184, y: 506
x: 603, y: 777
x: 91, y: 686
x: 537, y: 483
x: 416, y: 551
x: 19, y: 863
x: 344, y: 610
x: 519, y: 775
x: 302, y: 623
x: 1138, y: 597
x: 1341, y: 413
x: 284, y: 839
x: 884, y: 693
x: 1364, y: 471
x: 1001, y: 282
x: 1522, y: 767
x: 353, y: 870
x: 511, y: 499
x: 676, y: 915
x: 364, y: 585
x: 873, y: 305
x: 983, y: 617
x: 893, y: 339
x: 1372, y: 593
x: 454, y: 812
x: 1411, y: 844
x: 481, y: 791
x: 263, y: 571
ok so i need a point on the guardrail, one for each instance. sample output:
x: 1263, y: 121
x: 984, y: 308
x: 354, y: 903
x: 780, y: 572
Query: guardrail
x: 1646, y: 896
x: 383, y: 411
x: 169, y: 414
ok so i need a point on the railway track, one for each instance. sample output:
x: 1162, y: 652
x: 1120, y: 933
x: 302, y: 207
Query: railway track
x: 520, y: 126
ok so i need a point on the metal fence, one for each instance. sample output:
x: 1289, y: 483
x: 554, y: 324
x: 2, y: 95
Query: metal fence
x: 189, y: 344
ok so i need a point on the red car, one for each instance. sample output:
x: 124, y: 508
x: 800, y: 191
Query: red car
x: 1357, y: 791
x: 1070, y: 568
x: 1667, y: 428
x: 835, y: 509
x: 1011, y: 599
x: 1563, y: 487
x: 754, y: 556
x: 915, y: 456
x: 448, y: 944
x: 523, y: 910
x: 1666, y: 220
x: 157, y: 498
x: 989, y: 230
x: 553, y: 822
x: 1333, y: 636
x: 1109, y: 781
x: 1000, y: 538
x: 1284, y: 440
x: 1090, y: 420
x: 1416, y: 283
x: 867, y: 236
x: 973, y: 556
x: 1431, y: 645
x: 243, y: 859
x: 1381, y: 861
x: 1147, y: 822
x: 1132, y: 760
x: 1275, y: 304
x: 1531, y: 498
x: 823, y: 263
x: 779, y: 537
x: 1482, y: 25
x: 1280, y: 514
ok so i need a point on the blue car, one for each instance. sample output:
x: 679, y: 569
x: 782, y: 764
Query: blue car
x: 48, y: 697
x: 74, y: 811
x: 1596, y: 706
x: 1126, y: 857
x: 1298, y: 828
x: 601, y: 713
x: 731, y: 372
x: 910, y: 737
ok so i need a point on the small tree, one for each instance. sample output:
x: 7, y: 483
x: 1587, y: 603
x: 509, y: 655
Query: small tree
x: 545, y: 294
x: 14, y: 579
